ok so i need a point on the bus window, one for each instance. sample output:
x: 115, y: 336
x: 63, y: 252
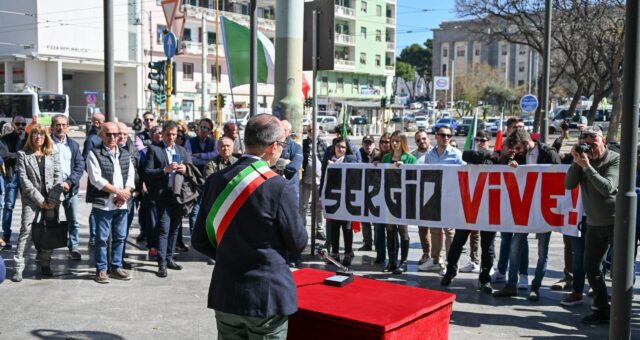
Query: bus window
x: 15, y: 104
x: 52, y: 103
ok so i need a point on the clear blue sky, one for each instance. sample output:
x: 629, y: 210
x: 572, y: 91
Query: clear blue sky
x: 416, y: 19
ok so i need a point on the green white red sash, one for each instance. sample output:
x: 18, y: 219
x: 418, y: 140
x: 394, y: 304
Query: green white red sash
x: 233, y: 196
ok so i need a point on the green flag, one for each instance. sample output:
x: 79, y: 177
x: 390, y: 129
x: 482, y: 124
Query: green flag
x: 469, y: 144
x: 235, y: 39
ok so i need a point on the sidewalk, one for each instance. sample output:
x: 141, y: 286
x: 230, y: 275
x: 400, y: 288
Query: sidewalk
x: 72, y: 306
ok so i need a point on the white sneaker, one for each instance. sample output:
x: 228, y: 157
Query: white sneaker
x: 470, y: 267
x: 429, y: 266
x: 523, y: 282
x: 498, y: 277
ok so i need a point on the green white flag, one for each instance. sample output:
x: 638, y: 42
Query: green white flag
x: 236, y: 42
x: 469, y: 143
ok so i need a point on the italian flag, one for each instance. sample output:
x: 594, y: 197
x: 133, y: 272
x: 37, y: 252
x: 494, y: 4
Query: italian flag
x: 236, y: 42
x: 469, y: 144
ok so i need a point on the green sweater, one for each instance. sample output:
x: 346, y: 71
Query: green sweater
x: 406, y: 158
x: 598, y: 188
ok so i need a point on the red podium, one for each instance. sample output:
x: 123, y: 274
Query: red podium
x: 367, y: 309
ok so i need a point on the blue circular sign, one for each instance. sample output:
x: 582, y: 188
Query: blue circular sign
x: 529, y: 103
x: 170, y: 43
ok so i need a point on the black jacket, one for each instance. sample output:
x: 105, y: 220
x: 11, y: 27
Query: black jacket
x: 547, y: 154
x: 10, y: 150
x: 155, y: 178
x: 187, y: 188
x: 251, y: 276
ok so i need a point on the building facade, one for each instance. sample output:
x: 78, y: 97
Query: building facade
x: 364, y: 58
x: 458, y: 47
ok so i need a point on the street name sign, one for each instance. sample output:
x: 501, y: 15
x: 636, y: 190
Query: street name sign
x: 529, y: 103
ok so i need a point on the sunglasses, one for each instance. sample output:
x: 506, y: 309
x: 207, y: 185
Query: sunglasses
x: 112, y: 134
x: 481, y: 140
x: 205, y: 128
x: 21, y: 124
x: 444, y: 135
x: 585, y: 135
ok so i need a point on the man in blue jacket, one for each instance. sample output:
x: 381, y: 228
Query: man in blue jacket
x: 252, y: 289
x: 292, y: 154
x: 72, y: 164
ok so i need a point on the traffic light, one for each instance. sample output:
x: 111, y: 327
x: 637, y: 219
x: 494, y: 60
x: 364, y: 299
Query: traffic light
x: 393, y: 99
x: 383, y: 102
x: 222, y: 99
x: 157, y: 75
x: 308, y: 102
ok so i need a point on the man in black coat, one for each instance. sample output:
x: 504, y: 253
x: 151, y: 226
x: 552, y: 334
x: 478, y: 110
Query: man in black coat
x: 72, y: 164
x: 162, y: 162
x: 252, y: 290
x: 14, y: 142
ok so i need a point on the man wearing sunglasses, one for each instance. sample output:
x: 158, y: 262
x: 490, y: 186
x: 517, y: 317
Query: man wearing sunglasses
x: 202, y: 149
x: 143, y: 138
x: 14, y: 142
x: 595, y: 168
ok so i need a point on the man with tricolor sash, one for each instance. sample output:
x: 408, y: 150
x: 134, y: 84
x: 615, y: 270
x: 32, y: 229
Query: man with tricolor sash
x: 247, y: 223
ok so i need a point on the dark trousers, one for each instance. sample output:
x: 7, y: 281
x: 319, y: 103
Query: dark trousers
x: 335, y: 226
x: 169, y: 218
x: 367, y: 235
x: 149, y: 220
x: 597, y: 242
x: 381, y: 241
x: 486, y: 246
x: 577, y: 247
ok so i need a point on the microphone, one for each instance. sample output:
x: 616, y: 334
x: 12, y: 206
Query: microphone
x: 281, y: 163
x: 322, y: 252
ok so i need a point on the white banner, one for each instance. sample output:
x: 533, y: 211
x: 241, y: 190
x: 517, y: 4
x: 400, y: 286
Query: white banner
x: 530, y: 198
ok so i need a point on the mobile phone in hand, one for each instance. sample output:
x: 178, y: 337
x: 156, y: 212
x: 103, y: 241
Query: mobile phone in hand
x: 176, y: 158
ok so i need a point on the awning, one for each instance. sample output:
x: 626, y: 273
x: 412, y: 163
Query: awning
x: 372, y: 104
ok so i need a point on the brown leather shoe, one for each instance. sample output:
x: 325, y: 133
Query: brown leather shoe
x: 101, y: 277
x: 120, y: 274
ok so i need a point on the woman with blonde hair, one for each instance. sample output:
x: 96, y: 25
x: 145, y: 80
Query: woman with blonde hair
x: 398, y: 155
x: 39, y: 170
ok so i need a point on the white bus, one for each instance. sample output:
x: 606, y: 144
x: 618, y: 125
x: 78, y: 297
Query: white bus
x: 28, y: 104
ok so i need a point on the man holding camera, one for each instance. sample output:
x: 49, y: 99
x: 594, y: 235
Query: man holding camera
x: 595, y: 169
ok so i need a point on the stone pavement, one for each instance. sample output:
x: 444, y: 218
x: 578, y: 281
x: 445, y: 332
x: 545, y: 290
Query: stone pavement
x: 72, y: 306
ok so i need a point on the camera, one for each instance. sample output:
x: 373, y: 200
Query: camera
x: 582, y: 148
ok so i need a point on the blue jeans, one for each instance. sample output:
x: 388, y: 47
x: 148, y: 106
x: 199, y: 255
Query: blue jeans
x: 11, y: 188
x: 92, y: 226
x: 505, y: 250
x: 543, y: 257
x: 577, y: 245
x: 112, y: 222
x: 519, y: 251
x: 194, y: 213
x: 70, y: 205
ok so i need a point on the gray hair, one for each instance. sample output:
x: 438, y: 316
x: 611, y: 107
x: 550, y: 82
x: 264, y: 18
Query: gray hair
x: 155, y: 129
x: 286, y: 124
x: 224, y: 137
x: 59, y: 116
x: 262, y: 130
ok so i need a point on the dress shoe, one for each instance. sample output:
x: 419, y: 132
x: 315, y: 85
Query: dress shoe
x: 507, y: 291
x: 173, y: 265
x: 486, y: 288
x: 447, y: 278
x: 101, y: 277
x: 46, y: 271
x: 120, y: 274
x: 366, y: 247
x: 162, y: 272
x: 596, y: 317
x: 181, y: 247
x: 534, y: 295
x: 346, y: 261
x: 75, y: 255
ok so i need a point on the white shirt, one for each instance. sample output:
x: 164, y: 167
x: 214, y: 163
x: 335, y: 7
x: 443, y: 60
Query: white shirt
x: 95, y: 177
x: 62, y: 147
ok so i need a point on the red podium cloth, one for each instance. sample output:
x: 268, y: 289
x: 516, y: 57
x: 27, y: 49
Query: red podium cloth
x: 367, y: 309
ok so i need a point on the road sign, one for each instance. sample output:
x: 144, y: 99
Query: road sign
x: 91, y: 98
x: 169, y: 8
x: 529, y: 103
x: 441, y: 83
x: 170, y: 43
x: 89, y: 92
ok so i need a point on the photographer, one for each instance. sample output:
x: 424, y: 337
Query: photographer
x: 595, y: 169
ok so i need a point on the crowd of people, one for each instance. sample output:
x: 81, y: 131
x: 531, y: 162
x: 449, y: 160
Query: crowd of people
x: 162, y: 170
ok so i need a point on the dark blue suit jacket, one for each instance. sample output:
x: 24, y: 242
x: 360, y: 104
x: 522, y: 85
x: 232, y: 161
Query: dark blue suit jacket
x: 251, y: 276
x: 155, y: 162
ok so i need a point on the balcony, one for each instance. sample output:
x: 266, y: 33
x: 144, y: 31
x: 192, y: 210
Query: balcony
x: 345, y: 39
x: 344, y: 64
x: 264, y: 25
x: 391, y: 46
x: 391, y: 21
x: 345, y: 12
x: 390, y: 70
x: 190, y: 47
x: 391, y: 1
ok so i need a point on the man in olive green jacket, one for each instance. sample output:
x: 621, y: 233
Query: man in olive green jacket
x: 596, y: 171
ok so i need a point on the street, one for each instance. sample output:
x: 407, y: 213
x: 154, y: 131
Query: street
x: 72, y: 306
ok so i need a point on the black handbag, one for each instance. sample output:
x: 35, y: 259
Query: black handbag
x: 49, y: 234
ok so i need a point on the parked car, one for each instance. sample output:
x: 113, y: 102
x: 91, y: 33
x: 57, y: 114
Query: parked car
x: 305, y: 124
x: 465, y: 125
x: 495, y: 127
x: 359, y: 120
x: 422, y: 122
x: 327, y: 123
x: 528, y: 126
x: 445, y: 122
x: 409, y: 121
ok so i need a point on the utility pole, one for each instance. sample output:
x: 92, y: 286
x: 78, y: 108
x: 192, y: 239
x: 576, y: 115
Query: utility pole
x: 217, y: 73
x: 253, y: 65
x: 151, y: 56
x: 203, y: 82
x: 109, y: 74
x: 544, y: 101
x: 626, y: 199
x: 287, y: 99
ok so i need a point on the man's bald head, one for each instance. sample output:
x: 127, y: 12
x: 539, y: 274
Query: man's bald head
x: 263, y: 130
x: 97, y: 120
